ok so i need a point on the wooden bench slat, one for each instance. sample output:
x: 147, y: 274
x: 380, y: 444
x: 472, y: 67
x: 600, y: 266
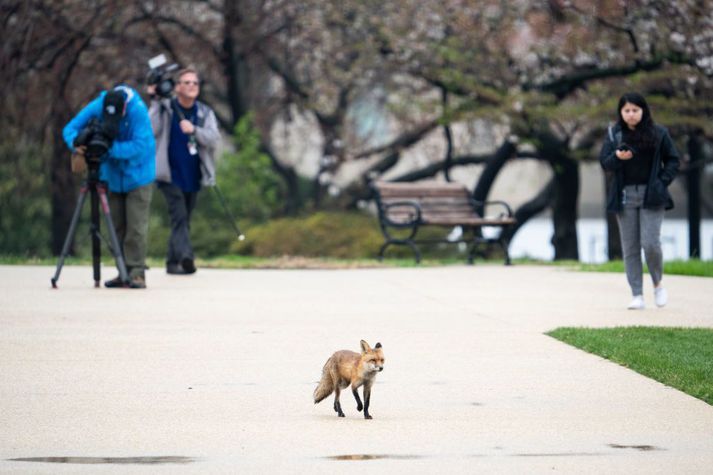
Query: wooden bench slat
x: 470, y: 218
x: 424, y: 196
x: 430, y: 199
x: 421, y: 190
x: 457, y: 221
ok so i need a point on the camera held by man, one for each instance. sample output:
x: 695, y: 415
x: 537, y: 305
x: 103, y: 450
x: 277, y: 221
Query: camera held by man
x: 160, y: 76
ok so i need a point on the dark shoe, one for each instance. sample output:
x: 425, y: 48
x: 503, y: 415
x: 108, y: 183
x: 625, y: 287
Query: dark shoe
x: 115, y: 283
x: 137, y: 282
x: 174, y: 268
x: 188, y: 266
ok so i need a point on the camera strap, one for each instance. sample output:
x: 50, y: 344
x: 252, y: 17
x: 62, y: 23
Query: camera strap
x: 177, y: 109
x: 615, y: 138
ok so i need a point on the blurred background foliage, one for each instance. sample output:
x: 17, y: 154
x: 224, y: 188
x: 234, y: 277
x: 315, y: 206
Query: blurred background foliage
x: 24, y: 199
x: 319, y: 98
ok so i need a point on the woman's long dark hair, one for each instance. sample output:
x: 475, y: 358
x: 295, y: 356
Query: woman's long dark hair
x: 645, y: 131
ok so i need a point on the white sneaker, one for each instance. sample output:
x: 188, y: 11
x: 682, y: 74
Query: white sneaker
x: 637, y: 303
x: 661, y: 296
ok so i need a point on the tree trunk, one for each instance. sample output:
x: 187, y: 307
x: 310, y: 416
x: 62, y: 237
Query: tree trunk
x: 695, y: 151
x: 234, y: 63
x: 63, y: 190
x: 566, y: 195
x: 564, y: 209
x: 532, y: 208
x: 292, y: 199
x: 482, y: 188
x: 613, y: 241
x: 448, y: 161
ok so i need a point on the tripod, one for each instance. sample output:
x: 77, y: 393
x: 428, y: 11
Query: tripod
x: 97, y: 191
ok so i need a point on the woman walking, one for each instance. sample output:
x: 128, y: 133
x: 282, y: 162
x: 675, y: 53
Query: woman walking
x: 644, y: 161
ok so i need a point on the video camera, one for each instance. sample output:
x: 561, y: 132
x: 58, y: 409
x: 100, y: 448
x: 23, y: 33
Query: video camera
x: 98, y: 135
x: 159, y: 75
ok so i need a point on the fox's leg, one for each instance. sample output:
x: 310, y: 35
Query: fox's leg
x: 367, y: 398
x: 337, y: 406
x: 356, y: 396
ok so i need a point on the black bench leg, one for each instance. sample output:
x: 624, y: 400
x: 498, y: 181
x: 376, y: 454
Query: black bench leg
x: 473, y: 251
x: 383, y: 249
x: 415, y: 250
x: 409, y: 243
x: 505, y: 245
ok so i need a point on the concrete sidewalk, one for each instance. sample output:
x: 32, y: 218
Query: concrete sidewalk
x: 214, y: 373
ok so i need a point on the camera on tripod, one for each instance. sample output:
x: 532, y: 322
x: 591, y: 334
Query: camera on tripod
x: 98, y: 135
x: 95, y: 139
x: 160, y: 76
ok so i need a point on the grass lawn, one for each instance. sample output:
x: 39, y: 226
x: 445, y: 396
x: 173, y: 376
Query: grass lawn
x: 692, y: 267
x: 678, y: 357
x: 249, y: 262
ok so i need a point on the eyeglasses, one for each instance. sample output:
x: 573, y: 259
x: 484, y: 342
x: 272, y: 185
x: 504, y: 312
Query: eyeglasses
x: 189, y: 83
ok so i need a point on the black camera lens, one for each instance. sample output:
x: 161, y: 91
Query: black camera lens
x: 165, y: 87
x: 98, y: 146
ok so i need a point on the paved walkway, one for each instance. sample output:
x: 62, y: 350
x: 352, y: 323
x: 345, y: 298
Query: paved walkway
x: 214, y: 373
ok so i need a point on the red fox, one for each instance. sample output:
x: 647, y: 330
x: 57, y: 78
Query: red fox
x: 347, y: 367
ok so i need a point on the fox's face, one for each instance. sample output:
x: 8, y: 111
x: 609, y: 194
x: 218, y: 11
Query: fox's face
x: 373, y: 360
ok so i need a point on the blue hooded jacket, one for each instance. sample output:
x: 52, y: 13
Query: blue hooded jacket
x: 131, y: 160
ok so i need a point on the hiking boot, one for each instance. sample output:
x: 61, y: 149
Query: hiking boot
x: 188, y: 266
x: 174, y: 268
x: 115, y: 283
x: 137, y: 282
x: 637, y: 303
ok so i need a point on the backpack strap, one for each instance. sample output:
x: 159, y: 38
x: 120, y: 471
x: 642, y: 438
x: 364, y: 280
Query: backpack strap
x: 614, y: 137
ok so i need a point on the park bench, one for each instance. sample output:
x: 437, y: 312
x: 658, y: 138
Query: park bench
x: 409, y: 206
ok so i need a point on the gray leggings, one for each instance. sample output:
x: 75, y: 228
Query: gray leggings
x: 639, y: 229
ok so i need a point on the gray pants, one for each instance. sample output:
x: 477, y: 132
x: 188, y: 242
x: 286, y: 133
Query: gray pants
x: 130, y: 215
x: 180, y: 206
x: 639, y: 229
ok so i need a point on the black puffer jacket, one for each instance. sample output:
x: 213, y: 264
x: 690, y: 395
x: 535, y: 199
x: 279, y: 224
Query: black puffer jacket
x: 663, y: 170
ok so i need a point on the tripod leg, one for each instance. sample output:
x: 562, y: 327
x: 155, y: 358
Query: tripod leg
x: 115, y: 246
x: 95, y: 230
x: 70, y: 234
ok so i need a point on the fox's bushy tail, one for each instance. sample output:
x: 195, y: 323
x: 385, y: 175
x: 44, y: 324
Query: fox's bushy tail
x: 326, y: 384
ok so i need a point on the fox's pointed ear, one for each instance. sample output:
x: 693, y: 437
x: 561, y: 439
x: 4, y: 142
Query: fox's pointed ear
x: 378, y: 345
x: 364, y: 346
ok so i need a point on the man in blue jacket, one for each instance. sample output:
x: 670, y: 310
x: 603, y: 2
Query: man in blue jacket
x: 129, y: 169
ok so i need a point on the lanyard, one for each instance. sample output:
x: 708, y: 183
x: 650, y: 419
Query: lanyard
x: 192, y: 143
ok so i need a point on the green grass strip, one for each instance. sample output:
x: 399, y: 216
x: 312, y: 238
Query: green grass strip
x: 678, y: 357
x: 690, y: 267
x: 249, y: 262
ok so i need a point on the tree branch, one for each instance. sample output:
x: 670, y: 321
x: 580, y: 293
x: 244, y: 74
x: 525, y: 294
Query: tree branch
x: 405, y: 140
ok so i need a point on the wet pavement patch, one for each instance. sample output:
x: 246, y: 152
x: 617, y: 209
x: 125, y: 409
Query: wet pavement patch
x: 373, y: 457
x: 643, y: 448
x: 109, y: 460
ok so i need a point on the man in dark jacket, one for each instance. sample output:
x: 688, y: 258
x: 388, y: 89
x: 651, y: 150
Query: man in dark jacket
x: 187, y: 135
